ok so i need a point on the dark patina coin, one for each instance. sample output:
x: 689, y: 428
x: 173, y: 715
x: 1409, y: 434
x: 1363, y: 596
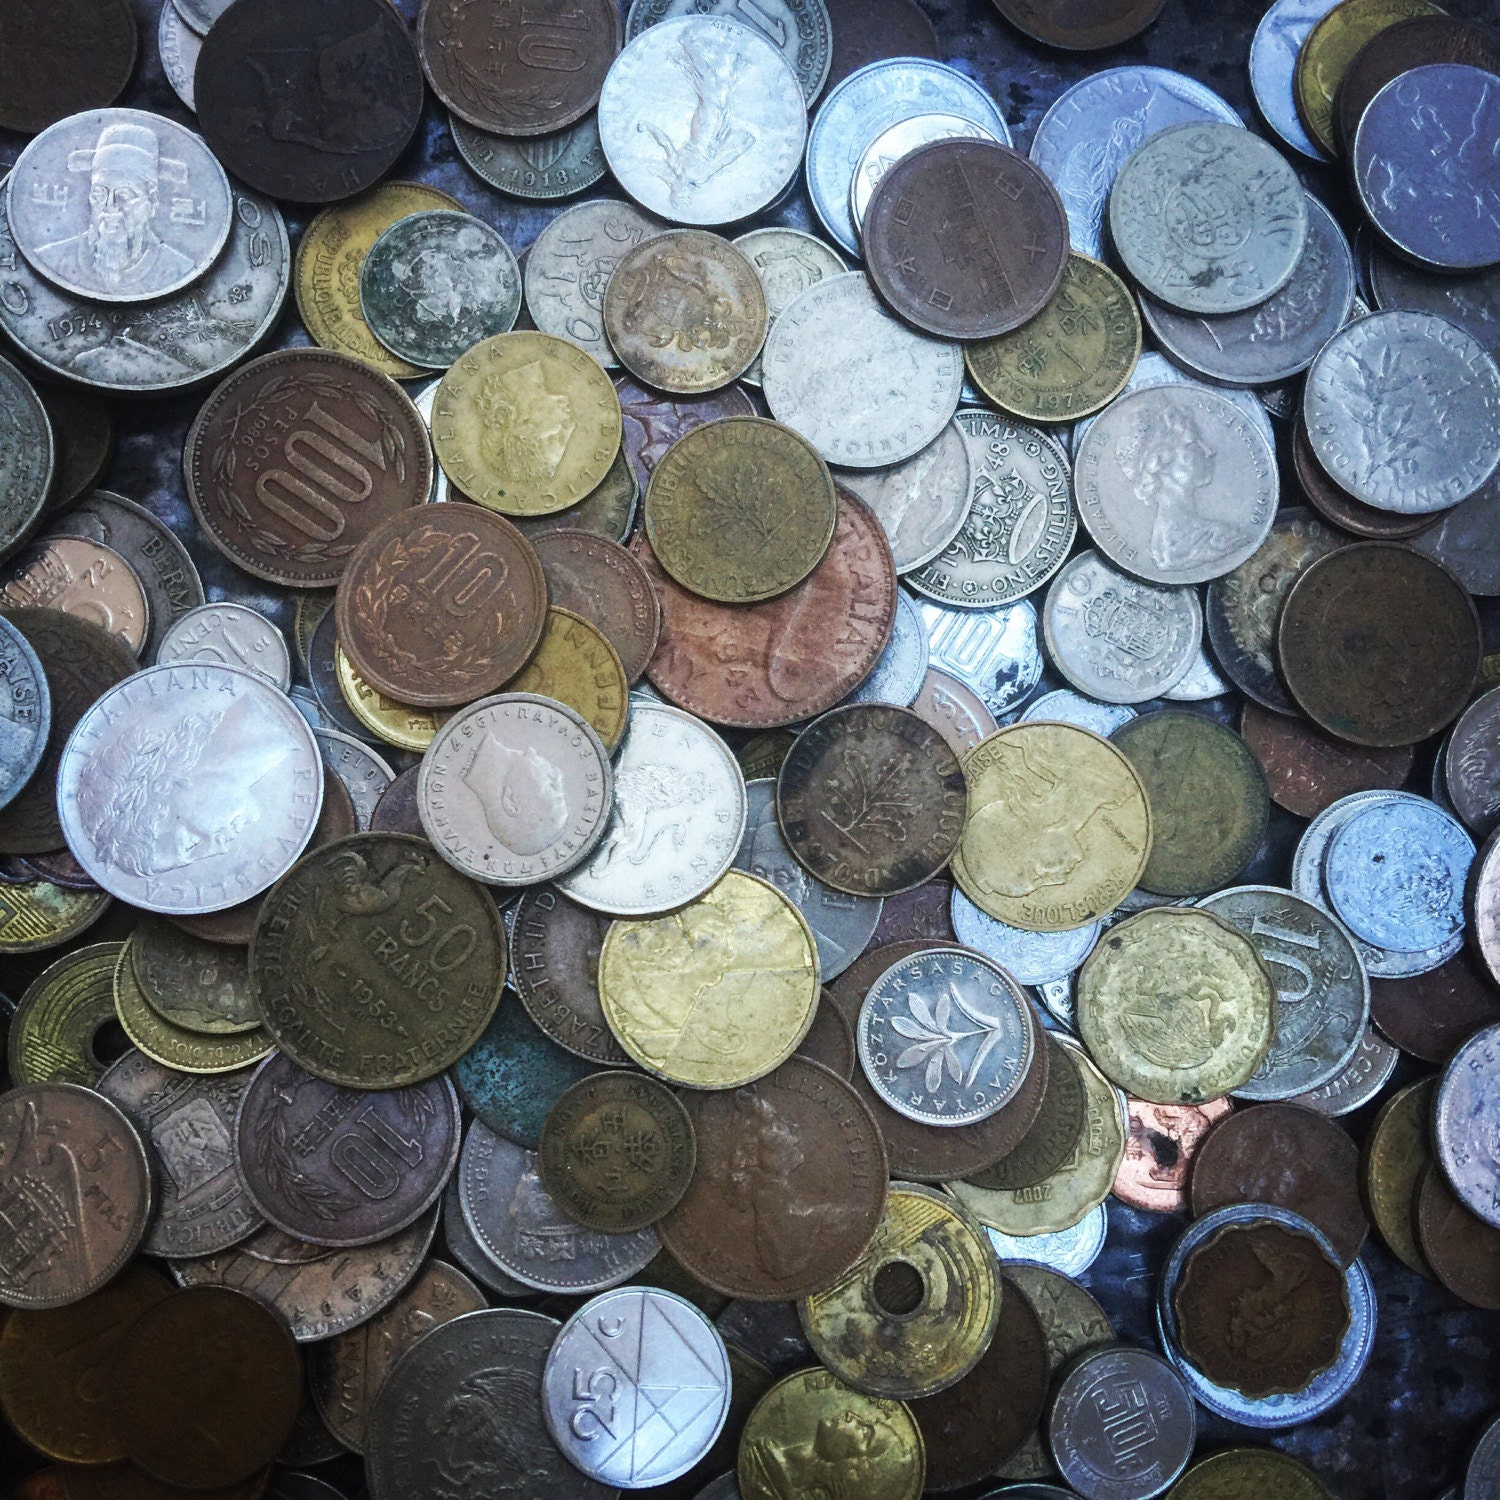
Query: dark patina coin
x: 966, y: 239
x: 309, y: 102
x: 1080, y: 25
x: 61, y: 57
x: 1463, y: 1251
x: 872, y: 800
x: 28, y: 457
x: 1434, y: 1014
x: 25, y: 711
x: 617, y: 1152
x: 83, y: 429
x: 1379, y: 645
x: 396, y: 812
x: 848, y: 991
x: 602, y: 581
x: 1307, y: 770
x: 1055, y: 1133
x: 866, y: 31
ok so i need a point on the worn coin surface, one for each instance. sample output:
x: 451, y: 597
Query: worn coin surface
x: 230, y: 635
x: 1395, y: 1158
x: 28, y: 460
x: 1462, y: 1249
x: 602, y: 581
x: 1034, y: 958
x: 81, y: 577
x: 898, y: 676
x: 61, y: 60
x: 575, y: 665
x: 178, y: 45
x: 1470, y: 775
x: 899, y: 140
x: 174, y: 1046
x: 25, y: 711
x: 39, y: 915
x: 541, y: 168
x: 1308, y: 770
x: 787, y: 262
x: 1337, y: 505
x: 1273, y: 62
x: 1084, y: 28
x: 1463, y: 1124
x: 57, y: 1021
x: 1160, y: 1147
x: 365, y: 774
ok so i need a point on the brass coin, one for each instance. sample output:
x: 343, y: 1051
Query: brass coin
x: 1249, y: 1474
x: 39, y: 915
x: 195, y: 985
x: 575, y: 664
x: 526, y: 424
x: 740, y: 510
x: 1073, y: 358
x: 764, y: 755
x: 1463, y: 1251
x: 1395, y: 1156
x: 1059, y: 828
x: 1055, y: 1133
x: 608, y: 510
x: 52, y: 1032
x: 1176, y: 1006
x: 399, y: 724
x: 617, y: 1152
x: 715, y: 994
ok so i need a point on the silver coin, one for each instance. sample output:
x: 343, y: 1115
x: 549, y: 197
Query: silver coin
x: 25, y: 711
x: 1469, y: 765
x: 636, y: 1388
x: 1034, y: 958
x: 898, y: 676
x: 1085, y: 137
x: 1471, y: 301
x: 166, y: 345
x: 118, y: 205
x: 231, y: 635
x: 787, y: 262
x: 1060, y: 1003
x: 307, y: 705
x: 515, y: 789
x: 1070, y: 1252
x: 1466, y: 1123
x: 1466, y: 539
x: 900, y: 140
x: 459, y: 1414
x: 434, y: 284
x: 799, y: 29
x: 179, y: 46
x: 1482, y: 1478
x: 1403, y: 411
x: 1175, y: 485
x: 527, y: 1234
x: 365, y: 774
x: 1021, y: 521
x: 569, y: 266
x: 1199, y: 683
x: 864, y: 389
x: 955, y: 710
x: 28, y: 456
x: 187, y: 1123
x: 189, y: 789
x: 201, y: 14
x: 868, y: 102
x: 946, y: 1038
x: 1273, y: 65
x: 1067, y: 707
x: 1117, y: 639
x: 542, y: 168
x: 842, y: 925
x: 993, y: 651
x: 1281, y: 336
x: 1322, y: 994
x: 921, y: 502
x: 1359, y: 1081
x: 678, y: 822
x: 702, y: 120
x: 470, y: 1254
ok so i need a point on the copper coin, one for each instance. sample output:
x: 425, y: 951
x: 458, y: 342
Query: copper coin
x: 1463, y: 1251
x: 603, y: 582
x: 1054, y: 1134
x: 301, y: 454
x: 441, y: 604
x: 925, y: 913
x: 975, y: 1426
x: 60, y: 867
x: 871, y: 800
x: 789, y: 1189
x: 966, y: 239
x: 81, y: 577
x: 81, y: 662
x: 848, y: 991
x: 654, y: 421
x: 62, y: 57
x: 1379, y: 644
x: 1159, y: 1151
x: 866, y: 31
x: 309, y: 102
x: 1308, y: 770
x: 1335, y: 504
x: 208, y: 1387
x: 1433, y: 1015
x: 762, y: 665
x: 1080, y: 25
x: 830, y: 1040
x: 396, y: 812
x: 1288, y: 1156
x: 519, y: 70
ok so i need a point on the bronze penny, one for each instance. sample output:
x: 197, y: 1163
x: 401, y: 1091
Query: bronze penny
x: 871, y: 800
x: 1433, y: 1015
x: 1288, y: 1156
x: 1335, y: 504
x: 234, y: 1392
x: 603, y: 582
x: 653, y: 420
x: 925, y: 914
x: 966, y: 239
x: 396, y: 812
x: 848, y: 991
x: 1159, y: 1151
x: 830, y: 1040
x: 1379, y: 644
x: 789, y: 1189
x: 1080, y: 25
x: 1463, y: 1251
x: 441, y: 605
x: 866, y: 31
x: 300, y: 455
x: 61, y: 57
x: 83, y: 431
x: 1308, y: 770
x: 763, y: 665
x: 518, y: 70
x: 81, y: 662
x: 1054, y: 1134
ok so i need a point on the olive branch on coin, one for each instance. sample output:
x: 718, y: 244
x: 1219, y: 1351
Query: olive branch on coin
x: 1375, y: 407
x: 274, y: 1158
x: 935, y: 1040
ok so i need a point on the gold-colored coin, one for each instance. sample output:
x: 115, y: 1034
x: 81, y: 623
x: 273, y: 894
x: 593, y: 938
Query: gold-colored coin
x: 1077, y: 1187
x: 171, y: 1046
x: 810, y: 1432
x: 1329, y: 49
x: 1249, y: 1474
x: 52, y: 1032
x: 608, y: 510
x: 715, y: 994
x: 1058, y: 830
x: 526, y: 424
x: 1395, y: 1155
x: 1073, y: 358
x: 329, y: 260
x: 398, y: 724
x: 190, y: 982
x: 306, y: 617
x: 915, y: 1313
x: 575, y: 664
x: 40, y: 915
x: 762, y: 756
x: 1176, y: 1006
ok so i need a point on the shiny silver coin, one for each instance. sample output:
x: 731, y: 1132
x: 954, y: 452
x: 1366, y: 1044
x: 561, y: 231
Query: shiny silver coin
x: 898, y: 676
x: 1199, y: 683
x: 1273, y: 65
x: 636, y: 1388
x: 1070, y: 1252
x: 1116, y: 639
x: 900, y: 140
x: 787, y: 262
x: 1403, y: 411
x: 178, y: 45
x: 702, y: 120
x: 842, y: 925
x: 1466, y: 1123
x: 1471, y: 301
x: 25, y: 711
x: 1034, y: 958
x: 1067, y: 707
x: 993, y: 651
x: 231, y: 635
x: 28, y: 457
x: 189, y: 789
x: 1359, y: 1081
x: 364, y: 773
x: 542, y: 168
x: 119, y: 205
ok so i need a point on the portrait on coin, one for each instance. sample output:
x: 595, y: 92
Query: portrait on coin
x: 839, y: 1461
x: 527, y: 425
x: 523, y: 795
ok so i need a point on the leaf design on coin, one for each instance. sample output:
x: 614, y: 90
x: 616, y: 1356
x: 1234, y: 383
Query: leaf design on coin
x: 871, y: 798
x: 1381, y: 405
x: 936, y: 1040
x: 273, y: 1156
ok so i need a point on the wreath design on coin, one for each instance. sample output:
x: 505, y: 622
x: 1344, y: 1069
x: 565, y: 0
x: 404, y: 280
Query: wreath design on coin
x: 273, y: 1156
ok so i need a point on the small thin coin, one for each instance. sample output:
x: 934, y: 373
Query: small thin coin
x: 230, y: 635
x: 81, y: 577
x: 381, y: 718
x: 787, y: 262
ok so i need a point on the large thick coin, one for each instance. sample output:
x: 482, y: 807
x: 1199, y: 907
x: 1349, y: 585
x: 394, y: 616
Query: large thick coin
x: 189, y: 789
x: 62, y: 59
x: 542, y: 168
x: 25, y: 711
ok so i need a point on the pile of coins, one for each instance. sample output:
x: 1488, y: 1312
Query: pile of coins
x: 759, y: 778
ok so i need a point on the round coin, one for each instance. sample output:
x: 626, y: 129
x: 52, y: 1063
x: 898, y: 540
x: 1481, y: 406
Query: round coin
x: 1273, y: 62
x: 57, y: 1022
x: 80, y: 577
x: 25, y: 711
x: 901, y: 139
x: 1462, y: 1249
x: 174, y: 1046
x: 1469, y: 776
x: 1159, y: 1151
x: 1395, y: 1158
x: 1237, y: 1473
x: 1463, y: 1124
x: 1085, y: 28
x: 787, y: 262
x: 230, y: 635
x: 602, y: 581
x: 61, y: 60
x: 541, y: 168
x: 1308, y: 770
x: 29, y: 460
x: 575, y: 665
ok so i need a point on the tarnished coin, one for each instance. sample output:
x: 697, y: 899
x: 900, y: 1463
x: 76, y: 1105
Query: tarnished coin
x: 178, y: 45
x: 63, y: 59
x: 84, y: 432
x: 1085, y: 28
x: 541, y: 168
x: 374, y: 715
x: 900, y: 140
x: 575, y: 665
x: 1359, y: 1082
x: 1034, y: 958
x: 1273, y: 62
x: 1239, y: 1473
x: 1379, y: 645
x: 1462, y: 1249
x: 1059, y: 829
x: 1308, y: 770
x: 1463, y: 1124
x: 25, y: 711
x: 1470, y: 776
x: 79, y: 577
x: 28, y: 458
x: 1464, y: 300
x: 1159, y: 1152
x: 60, y: 1015
x: 787, y: 262
x: 1176, y: 1006
x: 954, y: 709
x: 230, y: 635
x: 602, y: 581
x: 364, y: 774
x: 1395, y: 1158
x: 898, y: 676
